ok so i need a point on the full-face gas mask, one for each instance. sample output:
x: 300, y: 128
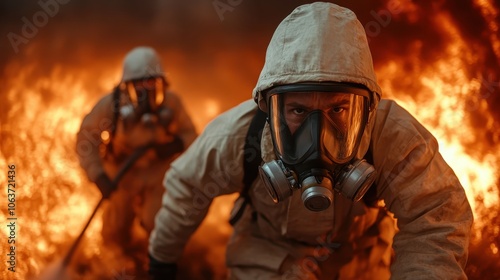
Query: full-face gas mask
x: 142, y: 101
x: 316, y: 130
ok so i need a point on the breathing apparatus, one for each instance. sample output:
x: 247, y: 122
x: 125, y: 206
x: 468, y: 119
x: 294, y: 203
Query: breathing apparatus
x: 316, y: 142
x: 143, y: 101
x: 142, y: 89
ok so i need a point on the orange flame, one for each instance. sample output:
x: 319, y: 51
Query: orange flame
x: 442, y: 105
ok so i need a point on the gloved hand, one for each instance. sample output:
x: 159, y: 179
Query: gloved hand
x: 161, y: 271
x: 105, y: 185
x: 167, y: 150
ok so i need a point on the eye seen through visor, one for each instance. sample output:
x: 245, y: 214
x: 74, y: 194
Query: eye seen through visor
x: 332, y: 120
x: 337, y: 107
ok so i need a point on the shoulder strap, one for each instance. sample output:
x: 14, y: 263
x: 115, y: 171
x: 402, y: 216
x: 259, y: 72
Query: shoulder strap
x: 252, y: 154
x: 116, y: 109
x: 370, y: 197
x: 251, y: 162
x: 116, y: 112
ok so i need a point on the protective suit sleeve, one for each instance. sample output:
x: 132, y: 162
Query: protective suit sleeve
x: 210, y: 167
x: 88, y: 139
x: 432, y: 211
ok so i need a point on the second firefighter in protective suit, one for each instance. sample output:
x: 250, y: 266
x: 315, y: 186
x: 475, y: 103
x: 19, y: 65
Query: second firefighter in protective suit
x: 332, y: 152
x: 141, y: 113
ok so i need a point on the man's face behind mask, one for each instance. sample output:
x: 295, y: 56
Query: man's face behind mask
x: 328, y: 123
x: 146, y: 95
x: 297, y: 106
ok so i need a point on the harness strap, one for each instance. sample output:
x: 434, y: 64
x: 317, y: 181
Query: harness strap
x: 251, y: 162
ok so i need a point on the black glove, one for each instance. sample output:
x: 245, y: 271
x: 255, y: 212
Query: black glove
x: 105, y: 185
x: 167, y: 150
x: 161, y: 271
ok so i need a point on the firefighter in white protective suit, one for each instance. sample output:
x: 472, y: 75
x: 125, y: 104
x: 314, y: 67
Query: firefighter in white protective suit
x: 336, y: 160
x: 140, y: 114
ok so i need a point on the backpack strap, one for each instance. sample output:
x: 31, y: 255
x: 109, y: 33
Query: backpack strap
x: 370, y: 197
x: 251, y: 162
x: 115, y: 107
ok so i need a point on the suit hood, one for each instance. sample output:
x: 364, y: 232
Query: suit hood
x: 320, y: 42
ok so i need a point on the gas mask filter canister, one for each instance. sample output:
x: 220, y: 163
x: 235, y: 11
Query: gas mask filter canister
x: 353, y: 182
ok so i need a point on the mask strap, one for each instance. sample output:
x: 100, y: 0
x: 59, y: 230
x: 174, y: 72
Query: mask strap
x: 132, y: 93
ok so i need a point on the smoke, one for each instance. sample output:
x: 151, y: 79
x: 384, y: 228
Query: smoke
x: 81, y: 34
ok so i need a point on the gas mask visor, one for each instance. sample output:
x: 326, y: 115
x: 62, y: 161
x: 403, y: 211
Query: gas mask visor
x: 326, y: 119
x: 145, y: 95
